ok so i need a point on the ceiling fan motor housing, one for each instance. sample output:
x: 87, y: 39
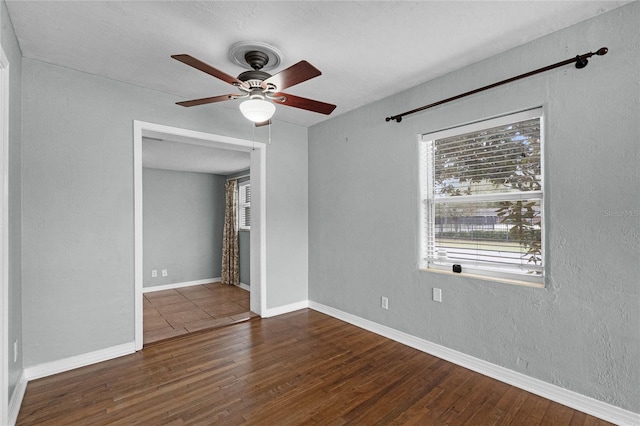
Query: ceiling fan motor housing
x: 256, y: 59
x: 251, y: 77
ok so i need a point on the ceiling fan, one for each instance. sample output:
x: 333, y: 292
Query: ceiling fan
x: 261, y: 89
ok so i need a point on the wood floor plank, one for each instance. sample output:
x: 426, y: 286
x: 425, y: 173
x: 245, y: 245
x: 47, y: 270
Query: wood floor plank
x: 556, y: 414
x: 171, y: 313
x: 523, y: 415
x: 511, y: 406
x: 302, y: 368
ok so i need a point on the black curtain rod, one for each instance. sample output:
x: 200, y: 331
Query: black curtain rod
x: 580, y: 60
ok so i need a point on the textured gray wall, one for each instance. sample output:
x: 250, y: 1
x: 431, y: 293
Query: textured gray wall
x: 183, y: 219
x: 581, y: 331
x: 78, y: 272
x: 14, y: 55
x: 244, y: 255
x: 287, y: 211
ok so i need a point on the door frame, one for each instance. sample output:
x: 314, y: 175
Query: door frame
x: 257, y: 150
x: 4, y: 237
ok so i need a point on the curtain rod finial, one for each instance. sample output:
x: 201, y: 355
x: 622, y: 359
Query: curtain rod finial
x: 602, y: 51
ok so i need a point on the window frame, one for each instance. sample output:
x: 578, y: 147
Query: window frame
x: 242, y: 205
x: 427, y: 185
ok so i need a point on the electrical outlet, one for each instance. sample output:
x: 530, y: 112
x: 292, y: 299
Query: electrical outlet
x: 437, y: 295
x: 164, y: 273
x: 15, y: 351
x: 154, y: 273
x: 384, y: 302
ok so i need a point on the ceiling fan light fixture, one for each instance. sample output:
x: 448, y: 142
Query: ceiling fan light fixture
x: 257, y: 110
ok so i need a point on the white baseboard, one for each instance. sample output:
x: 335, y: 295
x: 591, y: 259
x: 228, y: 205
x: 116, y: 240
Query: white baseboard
x: 16, y: 399
x: 59, y: 366
x: 179, y: 285
x: 244, y: 286
x: 577, y: 401
x: 272, y: 312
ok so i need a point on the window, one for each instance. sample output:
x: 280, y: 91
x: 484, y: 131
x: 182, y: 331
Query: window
x: 244, y: 205
x: 481, y: 198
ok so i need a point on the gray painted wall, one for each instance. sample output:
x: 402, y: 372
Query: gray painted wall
x: 183, y: 219
x: 77, y: 211
x: 244, y: 256
x: 14, y: 55
x: 581, y: 331
x: 287, y: 212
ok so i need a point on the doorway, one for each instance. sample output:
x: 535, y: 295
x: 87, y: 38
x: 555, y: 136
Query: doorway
x: 257, y: 151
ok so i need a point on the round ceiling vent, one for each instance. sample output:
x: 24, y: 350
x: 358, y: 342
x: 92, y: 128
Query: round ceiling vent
x: 238, y: 51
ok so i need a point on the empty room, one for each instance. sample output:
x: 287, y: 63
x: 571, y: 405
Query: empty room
x: 320, y: 212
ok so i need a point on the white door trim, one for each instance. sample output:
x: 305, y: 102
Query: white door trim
x: 4, y: 237
x: 258, y: 301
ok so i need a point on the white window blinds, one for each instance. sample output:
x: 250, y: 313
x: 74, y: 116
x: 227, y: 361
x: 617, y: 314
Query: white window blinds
x: 244, y: 205
x: 482, y: 192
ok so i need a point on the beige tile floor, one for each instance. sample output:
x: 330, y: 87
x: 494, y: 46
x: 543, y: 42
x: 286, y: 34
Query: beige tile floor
x: 171, y: 313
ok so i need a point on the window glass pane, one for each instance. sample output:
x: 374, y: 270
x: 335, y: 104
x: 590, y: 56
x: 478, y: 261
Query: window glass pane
x: 506, y: 234
x: 499, y: 159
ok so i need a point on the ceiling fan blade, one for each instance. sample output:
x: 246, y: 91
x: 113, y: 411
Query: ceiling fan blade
x: 302, y: 71
x: 199, y: 65
x: 304, y: 103
x: 211, y: 100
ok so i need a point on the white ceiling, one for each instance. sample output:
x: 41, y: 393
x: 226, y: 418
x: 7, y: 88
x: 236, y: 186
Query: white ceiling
x: 181, y: 156
x: 366, y: 50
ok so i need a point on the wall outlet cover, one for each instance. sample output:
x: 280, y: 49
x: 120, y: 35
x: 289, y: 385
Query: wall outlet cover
x: 437, y: 295
x: 384, y: 302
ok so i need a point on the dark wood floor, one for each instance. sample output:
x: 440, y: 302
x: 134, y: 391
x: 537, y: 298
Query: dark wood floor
x: 299, y: 368
x: 170, y: 313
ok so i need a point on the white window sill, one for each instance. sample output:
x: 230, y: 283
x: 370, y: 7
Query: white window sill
x: 510, y: 281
